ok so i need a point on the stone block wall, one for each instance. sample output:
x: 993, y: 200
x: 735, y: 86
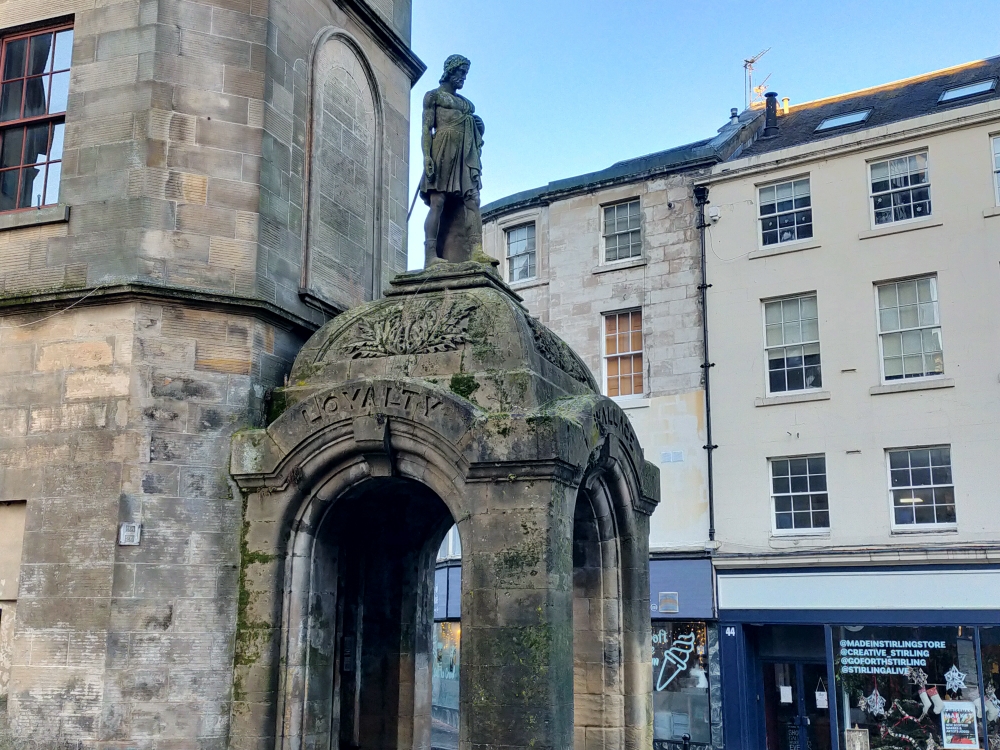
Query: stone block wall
x: 293, y: 133
x: 124, y: 413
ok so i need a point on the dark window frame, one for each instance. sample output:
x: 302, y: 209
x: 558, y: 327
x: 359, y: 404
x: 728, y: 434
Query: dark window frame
x: 55, y: 121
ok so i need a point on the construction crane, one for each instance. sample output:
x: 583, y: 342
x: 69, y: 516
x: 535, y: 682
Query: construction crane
x: 749, y: 89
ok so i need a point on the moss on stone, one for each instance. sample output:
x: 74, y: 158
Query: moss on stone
x: 464, y: 384
x: 252, y: 636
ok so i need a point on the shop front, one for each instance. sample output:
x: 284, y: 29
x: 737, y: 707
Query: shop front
x: 849, y: 660
x: 686, y: 688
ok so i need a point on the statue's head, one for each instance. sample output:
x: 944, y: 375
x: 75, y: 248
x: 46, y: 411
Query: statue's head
x: 456, y: 68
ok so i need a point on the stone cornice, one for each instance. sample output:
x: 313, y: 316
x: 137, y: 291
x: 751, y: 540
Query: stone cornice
x: 386, y: 38
x: 136, y: 291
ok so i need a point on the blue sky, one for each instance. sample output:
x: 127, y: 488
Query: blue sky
x: 570, y: 86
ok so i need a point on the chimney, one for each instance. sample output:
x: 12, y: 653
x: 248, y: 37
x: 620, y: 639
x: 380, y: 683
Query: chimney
x: 770, y: 114
x: 784, y: 105
x: 734, y: 115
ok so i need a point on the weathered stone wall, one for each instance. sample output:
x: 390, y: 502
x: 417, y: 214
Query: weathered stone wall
x: 293, y: 132
x: 184, y: 177
x: 123, y: 413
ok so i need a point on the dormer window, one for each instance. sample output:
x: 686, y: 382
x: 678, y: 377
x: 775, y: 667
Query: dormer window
x: 840, y: 121
x: 971, y: 89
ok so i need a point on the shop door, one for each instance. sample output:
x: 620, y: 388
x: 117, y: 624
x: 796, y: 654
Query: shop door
x: 796, y: 706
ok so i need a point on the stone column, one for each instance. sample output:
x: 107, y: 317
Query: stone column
x: 517, y: 615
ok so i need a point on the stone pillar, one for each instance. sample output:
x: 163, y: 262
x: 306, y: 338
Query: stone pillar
x: 517, y: 616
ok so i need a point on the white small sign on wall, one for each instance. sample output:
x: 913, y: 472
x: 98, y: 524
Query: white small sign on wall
x: 786, y: 693
x: 129, y: 534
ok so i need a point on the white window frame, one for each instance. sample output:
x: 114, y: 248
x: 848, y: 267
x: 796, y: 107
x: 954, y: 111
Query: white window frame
x: 534, y: 251
x: 760, y: 228
x: 604, y: 237
x: 995, y: 155
x: 814, y: 531
x: 879, y: 332
x: 605, y: 356
x: 916, y: 528
x: 819, y: 337
x: 871, y: 196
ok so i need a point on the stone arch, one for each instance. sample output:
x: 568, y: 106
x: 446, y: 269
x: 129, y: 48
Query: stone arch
x: 616, y: 699
x: 343, y: 175
x: 342, y: 462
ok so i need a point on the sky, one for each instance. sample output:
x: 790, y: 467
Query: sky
x: 567, y: 87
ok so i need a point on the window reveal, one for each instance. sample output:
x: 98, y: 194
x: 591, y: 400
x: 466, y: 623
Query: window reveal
x: 623, y: 353
x: 921, y: 485
x: 900, y: 189
x: 622, y: 235
x: 909, y: 329
x: 791, y: 332
x: 33, y: 97
x: 785, y: 212
x: 798, y: 494
x: 521, y: 252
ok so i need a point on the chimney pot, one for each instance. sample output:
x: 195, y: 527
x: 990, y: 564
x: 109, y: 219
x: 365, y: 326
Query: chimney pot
x: 770, y: 114
x: 784, y: 105
x: 734, y: 115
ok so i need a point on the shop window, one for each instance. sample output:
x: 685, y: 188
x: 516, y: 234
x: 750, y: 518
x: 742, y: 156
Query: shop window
x: 680, y: 684
x: 907, y: 687
x: 989, y: 639
x: 33, y: 102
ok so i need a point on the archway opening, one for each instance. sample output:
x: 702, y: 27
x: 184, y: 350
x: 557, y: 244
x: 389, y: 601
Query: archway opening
x: 372, y: 610
x: 598, y: 699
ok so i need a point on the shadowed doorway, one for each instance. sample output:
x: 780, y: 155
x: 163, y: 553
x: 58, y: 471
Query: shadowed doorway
x: 375, y: 556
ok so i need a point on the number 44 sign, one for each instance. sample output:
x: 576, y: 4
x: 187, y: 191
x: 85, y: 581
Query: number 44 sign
x: 959, y: 727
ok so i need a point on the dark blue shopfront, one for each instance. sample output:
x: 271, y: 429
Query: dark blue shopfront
x: 836, y: 660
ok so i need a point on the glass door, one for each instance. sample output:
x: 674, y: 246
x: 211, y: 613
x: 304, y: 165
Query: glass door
x: 796, y: 706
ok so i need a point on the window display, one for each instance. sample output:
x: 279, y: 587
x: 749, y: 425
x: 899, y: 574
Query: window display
x: 680, y: 683
x: 989, y: 639
x: 913, y: 688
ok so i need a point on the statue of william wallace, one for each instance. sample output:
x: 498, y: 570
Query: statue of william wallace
x: 452, y: 142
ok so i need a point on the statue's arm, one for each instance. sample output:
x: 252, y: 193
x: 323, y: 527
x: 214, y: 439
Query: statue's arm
x: 426, y: 135
x: 480, y: 125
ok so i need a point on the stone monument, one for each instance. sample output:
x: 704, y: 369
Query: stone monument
x: 452, y: 145
x: 444, y: 403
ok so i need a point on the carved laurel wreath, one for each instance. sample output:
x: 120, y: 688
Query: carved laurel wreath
x: 423, y: 328
x: 557, y: 352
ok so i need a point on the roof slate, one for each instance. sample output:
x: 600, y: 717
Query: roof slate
x: 689, y: 156
x: 891, y: 102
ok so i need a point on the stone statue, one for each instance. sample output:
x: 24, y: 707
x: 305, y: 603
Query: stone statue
x: 452, y: 142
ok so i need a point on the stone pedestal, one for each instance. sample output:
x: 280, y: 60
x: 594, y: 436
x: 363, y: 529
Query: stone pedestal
x: 443, y: 403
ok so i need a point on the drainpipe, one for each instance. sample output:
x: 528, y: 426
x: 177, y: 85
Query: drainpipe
x: 701, y: 198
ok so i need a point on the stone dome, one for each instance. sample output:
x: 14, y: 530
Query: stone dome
x: 457, y: 326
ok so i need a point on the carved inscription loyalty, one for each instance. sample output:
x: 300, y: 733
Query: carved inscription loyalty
x: 344, y: 402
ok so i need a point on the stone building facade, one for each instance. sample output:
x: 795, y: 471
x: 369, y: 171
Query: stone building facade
x: 233, y: 173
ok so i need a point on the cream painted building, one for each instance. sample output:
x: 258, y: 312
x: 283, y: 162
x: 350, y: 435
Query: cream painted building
x: 854, y: 263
